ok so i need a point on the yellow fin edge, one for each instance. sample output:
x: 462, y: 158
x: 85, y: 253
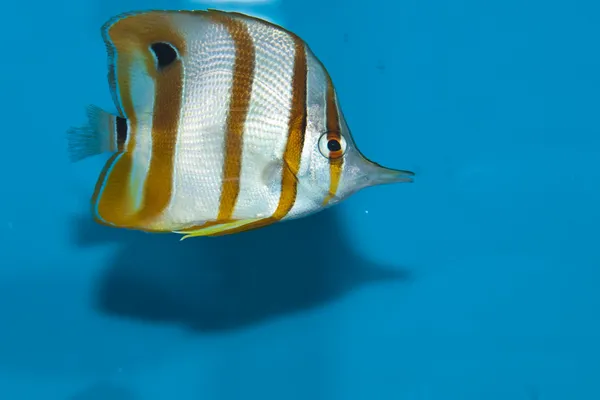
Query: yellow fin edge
x: 210, y: 230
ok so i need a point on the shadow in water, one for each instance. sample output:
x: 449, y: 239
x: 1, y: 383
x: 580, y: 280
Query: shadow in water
x: 104, y: 391
x: 228, y: 282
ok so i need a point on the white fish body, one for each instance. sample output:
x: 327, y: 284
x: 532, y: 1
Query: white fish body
x: 226, y: 123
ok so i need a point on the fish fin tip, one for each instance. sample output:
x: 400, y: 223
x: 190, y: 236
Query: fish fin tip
x: 93, y: 138
x: 188, y: 234
x: 219, y: 228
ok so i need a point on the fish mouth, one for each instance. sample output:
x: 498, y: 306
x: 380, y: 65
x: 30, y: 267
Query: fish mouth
x: 379, y: 175
x: 387, y: 175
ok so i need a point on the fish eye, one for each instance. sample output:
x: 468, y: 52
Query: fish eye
x: 332, y: 145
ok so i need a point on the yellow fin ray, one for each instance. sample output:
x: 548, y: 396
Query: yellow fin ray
x: 218, y: 228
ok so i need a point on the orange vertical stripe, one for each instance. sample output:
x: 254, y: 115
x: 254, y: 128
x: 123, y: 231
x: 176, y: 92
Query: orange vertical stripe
x: 295, y: 142
x: 297, y: 129
x: 239, y: 104
x: 333, y: 133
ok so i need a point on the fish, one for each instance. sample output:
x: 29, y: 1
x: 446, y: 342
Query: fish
x: 224, y: 123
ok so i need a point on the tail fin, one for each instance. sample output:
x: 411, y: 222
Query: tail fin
x: 98, y: 136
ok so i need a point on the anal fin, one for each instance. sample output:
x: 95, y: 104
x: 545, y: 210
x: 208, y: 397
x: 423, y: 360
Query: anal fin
x: 114, y: 201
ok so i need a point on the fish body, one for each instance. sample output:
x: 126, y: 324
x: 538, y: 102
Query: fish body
x: 225, y: 122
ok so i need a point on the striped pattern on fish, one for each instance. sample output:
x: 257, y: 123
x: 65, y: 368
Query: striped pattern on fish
x: 226, y: 123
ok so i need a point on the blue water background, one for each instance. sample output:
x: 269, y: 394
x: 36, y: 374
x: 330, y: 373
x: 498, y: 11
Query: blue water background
x: 478, y: 281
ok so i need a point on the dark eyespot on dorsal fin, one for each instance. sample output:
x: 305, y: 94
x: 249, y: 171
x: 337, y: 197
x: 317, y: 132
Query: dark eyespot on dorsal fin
x: 164, y: 53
